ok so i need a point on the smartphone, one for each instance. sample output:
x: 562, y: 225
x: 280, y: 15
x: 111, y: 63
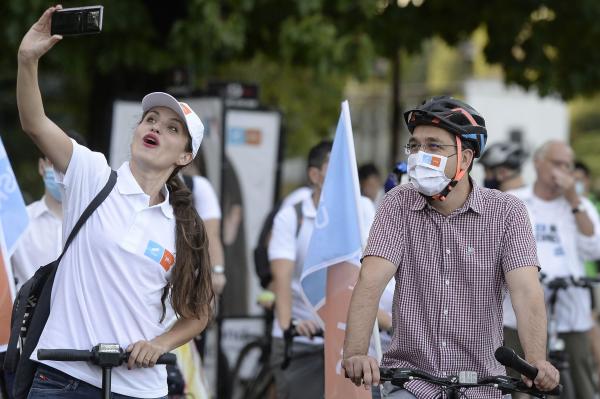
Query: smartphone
x: 77, y: 21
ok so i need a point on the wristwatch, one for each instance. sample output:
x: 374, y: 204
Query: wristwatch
x: 218, y: 269
x: 578, y: 208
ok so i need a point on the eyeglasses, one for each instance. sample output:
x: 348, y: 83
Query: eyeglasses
x: 432, y: 148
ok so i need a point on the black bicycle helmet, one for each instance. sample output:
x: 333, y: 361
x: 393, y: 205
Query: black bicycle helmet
x: 508, y: 154
x: 452, y: 115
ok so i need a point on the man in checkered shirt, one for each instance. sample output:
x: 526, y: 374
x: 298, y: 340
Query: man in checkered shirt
x: 452, y: 247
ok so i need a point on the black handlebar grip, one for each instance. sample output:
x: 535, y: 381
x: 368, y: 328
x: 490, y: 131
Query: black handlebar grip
x: 507, y: 357
x: 167, y: 358
x: 64, y: 355
x: 557, y: 391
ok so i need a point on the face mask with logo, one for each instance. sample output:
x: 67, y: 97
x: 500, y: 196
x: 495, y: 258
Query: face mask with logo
x: 426, y: 173
x: 52, y: 186
x: 580, y: 188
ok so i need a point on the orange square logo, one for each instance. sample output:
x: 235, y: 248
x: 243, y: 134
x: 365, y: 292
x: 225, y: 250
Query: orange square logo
x: 167, y: 260
x: 186, y: 108
x: 253, y: 136
x: 435, y: 161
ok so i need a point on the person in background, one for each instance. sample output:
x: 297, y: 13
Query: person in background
x: 290, y: 236
x: 371, y: 183
x: 567, y: 232
x: 42, y: 241
x: 582, y: 176
x: 502, y: 163
x: 207, y: 205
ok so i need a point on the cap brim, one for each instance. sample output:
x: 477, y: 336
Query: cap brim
x: 160, y: 99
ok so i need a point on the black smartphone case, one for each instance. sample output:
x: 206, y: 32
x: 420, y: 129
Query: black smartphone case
x: 77, y: 21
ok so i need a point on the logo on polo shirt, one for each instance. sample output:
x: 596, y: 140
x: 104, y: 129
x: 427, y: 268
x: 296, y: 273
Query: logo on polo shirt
x: 160, y: 255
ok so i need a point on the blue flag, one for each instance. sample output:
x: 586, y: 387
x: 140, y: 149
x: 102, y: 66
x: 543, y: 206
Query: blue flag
x: 13, y: 213
x: 337, y: 236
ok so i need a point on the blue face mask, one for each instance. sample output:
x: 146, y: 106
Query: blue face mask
x: 52, y: 186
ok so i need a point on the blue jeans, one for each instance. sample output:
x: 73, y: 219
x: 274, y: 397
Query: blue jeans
x: 51, y: 383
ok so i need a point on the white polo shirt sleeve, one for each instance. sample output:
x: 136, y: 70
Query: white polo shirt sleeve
x: 86, y: 174
x: 589, y: 246
x: 205, y: 199
x: 282, y: 244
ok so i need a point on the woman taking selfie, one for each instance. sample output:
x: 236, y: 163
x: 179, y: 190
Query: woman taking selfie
x: 142, y: 255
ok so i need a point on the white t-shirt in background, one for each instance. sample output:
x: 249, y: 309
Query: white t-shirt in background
x: 562, y: 250
x: 108, y: 286
x: 205, y: 199
x: 40, y: 244
x: 284, y: 244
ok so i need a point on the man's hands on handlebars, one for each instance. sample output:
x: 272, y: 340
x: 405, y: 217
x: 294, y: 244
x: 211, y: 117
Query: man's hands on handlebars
x: 144, y: 354
x: 547, y: 377
x: 362, y: 370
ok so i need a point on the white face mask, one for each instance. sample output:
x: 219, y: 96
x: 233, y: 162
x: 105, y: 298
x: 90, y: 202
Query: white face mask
x: 426, y: 173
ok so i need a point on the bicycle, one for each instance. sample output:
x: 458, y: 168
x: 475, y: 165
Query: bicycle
x: 556, y: 346
x: 105, y: 356
x: 260, y: 383
x: 456, y: 387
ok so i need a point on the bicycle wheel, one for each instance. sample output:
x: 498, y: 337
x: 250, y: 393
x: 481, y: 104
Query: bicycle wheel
x: 251, y: 377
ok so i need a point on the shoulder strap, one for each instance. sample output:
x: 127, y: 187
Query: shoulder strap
x: 299, y: 216
x: 98, y: 199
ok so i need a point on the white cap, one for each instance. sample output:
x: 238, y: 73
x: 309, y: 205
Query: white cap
x: 192, y: 121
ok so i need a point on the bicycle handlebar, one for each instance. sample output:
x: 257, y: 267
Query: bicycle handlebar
x: 97, y: 356
x: 558, y: 283
x: 505, y: 384
x: 288, y: 338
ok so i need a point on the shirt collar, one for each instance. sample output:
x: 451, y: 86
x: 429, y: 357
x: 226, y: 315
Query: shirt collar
x: 38, y: 208
x: 127, y: 185
x: 473, y: 201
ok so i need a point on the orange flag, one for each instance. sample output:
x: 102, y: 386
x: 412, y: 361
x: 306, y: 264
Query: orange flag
x: 6, y: 297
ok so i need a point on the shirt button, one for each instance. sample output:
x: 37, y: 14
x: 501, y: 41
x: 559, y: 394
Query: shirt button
x: 448, y: 251
x: 445, y: 312
x: 443, y: 344
x: 447, y: 282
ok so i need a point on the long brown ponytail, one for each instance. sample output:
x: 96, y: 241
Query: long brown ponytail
x: 190, y: 286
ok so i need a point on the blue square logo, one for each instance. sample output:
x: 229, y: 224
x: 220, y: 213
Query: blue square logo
x: 154, y: 251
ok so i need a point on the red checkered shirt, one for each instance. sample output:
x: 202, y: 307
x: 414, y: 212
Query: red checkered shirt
x: 447, y: 309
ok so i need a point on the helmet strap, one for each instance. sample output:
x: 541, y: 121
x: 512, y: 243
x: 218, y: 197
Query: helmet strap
x: 457, y: 176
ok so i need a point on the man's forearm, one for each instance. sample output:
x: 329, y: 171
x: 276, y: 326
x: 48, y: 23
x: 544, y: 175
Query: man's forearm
x: 361, y: 317
x: 531, y: 322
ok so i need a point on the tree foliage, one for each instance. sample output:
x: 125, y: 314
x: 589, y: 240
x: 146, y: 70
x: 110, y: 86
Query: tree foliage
x: 301, y: 51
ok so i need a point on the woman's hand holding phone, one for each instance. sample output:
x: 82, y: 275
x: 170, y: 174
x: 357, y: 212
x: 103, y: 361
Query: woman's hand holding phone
x: 38, y: 40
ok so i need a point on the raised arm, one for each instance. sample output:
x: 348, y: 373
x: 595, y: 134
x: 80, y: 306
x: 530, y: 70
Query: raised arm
x: 46, y: 135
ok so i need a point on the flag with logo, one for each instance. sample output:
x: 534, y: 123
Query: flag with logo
x: 332, y: 261
x: 13, y: 222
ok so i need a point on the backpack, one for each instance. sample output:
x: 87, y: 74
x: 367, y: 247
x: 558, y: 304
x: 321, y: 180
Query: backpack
x: 32, y: 308
x: 262, y: 265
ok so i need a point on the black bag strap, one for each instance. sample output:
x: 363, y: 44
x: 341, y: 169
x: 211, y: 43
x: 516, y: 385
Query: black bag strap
x: 299, y: 217
x: 98, y: 199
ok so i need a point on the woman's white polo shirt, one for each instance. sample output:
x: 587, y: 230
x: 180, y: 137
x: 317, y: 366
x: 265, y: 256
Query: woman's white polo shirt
x: 109, y: 283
